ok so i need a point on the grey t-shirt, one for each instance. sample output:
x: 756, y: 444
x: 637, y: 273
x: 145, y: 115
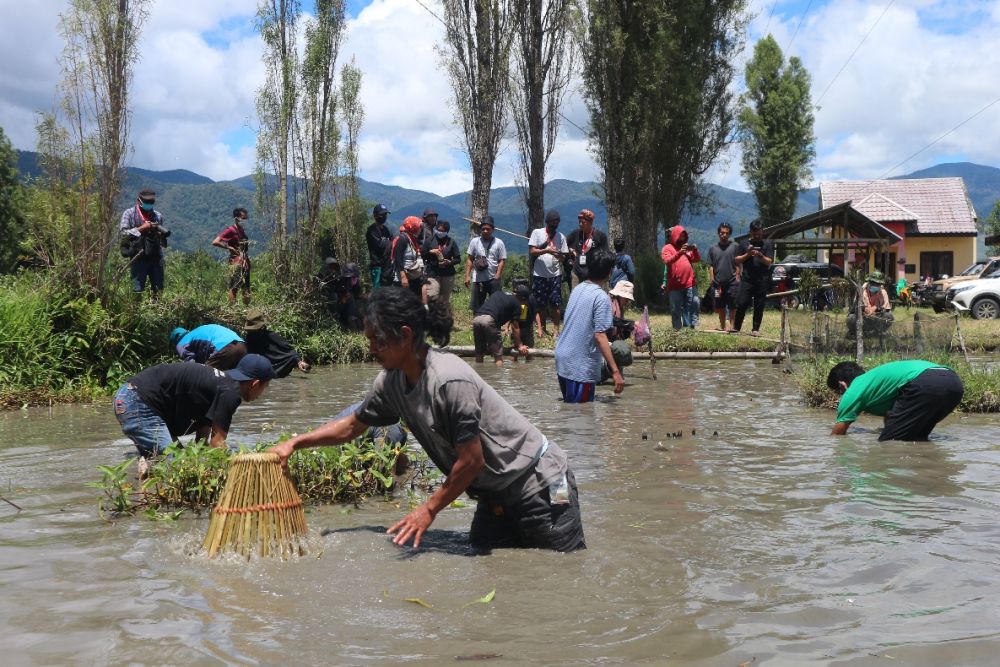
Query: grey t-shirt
x: 451, y: 404
x: 723, y: 261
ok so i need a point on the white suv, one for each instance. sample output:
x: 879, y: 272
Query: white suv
x: 981, y: 297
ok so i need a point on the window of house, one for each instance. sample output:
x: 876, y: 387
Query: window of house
x: 937, y: 264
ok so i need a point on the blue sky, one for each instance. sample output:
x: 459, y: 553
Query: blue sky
x: 925, y: 67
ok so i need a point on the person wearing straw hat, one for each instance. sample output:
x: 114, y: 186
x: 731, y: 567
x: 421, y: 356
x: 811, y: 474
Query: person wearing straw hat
x: 525, y: 489
x: 261, y: 340
x: 621, y: 328
x: 164, y: 402
x: 876, y: 307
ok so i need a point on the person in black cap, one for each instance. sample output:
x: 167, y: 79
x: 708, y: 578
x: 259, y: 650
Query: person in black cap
x: 499, y: 309
x: 143, y: 238
x: 430, y: 220
x: 379, y: 240
x: 164, y: 402
x: 484, y: 262
x: 441, y: 257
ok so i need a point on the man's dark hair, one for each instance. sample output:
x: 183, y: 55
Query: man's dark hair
x: 147, y: 194
x: 445, y: 224
x: 390, y: 308
x: 844, y: 372
x: 619, y: 244
x: 239, y: 212
x: 755, y: 225
x: 600, y: 262
x: 724, y: 225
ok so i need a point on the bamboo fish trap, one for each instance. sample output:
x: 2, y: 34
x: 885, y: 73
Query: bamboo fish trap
x: 259, y: 510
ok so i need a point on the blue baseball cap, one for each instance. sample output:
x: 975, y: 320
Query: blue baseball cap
x: 176, y: 335
x: 252, y: 367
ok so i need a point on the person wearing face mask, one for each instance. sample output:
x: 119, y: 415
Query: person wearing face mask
x: 441, y: 256
x: 143, y: 238
x: 547, y: 247
x: 379, y: 241
x: 484, y: 262
x: 875, y: 304
x: 233, y: 239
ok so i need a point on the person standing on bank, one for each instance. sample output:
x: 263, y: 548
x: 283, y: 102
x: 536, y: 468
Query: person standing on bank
x: 912, y: 396
x: 441, y: 256
x: 679, y: 258
x: 485, y: 259
x: 754, y: 255
x: 526, y: 493
x: 378, y: 238
x: 546, y: 248
x: 723, y: 274
x: 584, y: 339
x: 233, y: 239
x: 143, y: 238
x: 164, y: 402
x: 581, y: 241
x: 430, y: 221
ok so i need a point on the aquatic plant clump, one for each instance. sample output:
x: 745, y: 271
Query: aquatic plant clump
x: 193, y: 476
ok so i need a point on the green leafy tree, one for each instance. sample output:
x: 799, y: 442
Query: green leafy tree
x: 658, y: 80
x: 776, y: 131
x: 992, y: 226
x: 11, y: 203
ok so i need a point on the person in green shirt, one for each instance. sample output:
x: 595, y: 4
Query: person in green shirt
x: 912, y: 396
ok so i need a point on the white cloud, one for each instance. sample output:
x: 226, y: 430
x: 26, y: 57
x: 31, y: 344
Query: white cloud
x: 927, y: 66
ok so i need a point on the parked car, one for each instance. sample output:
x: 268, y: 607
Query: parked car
x: 981, y: 297
x: 939, y: 288
x: 785, y: 275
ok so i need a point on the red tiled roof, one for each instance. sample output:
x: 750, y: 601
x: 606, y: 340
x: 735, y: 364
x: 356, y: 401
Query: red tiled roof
x: 935, y: 205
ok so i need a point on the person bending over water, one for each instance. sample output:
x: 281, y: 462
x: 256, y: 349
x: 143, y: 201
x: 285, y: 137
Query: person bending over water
x: 527, y: 494
x: 912, y: 396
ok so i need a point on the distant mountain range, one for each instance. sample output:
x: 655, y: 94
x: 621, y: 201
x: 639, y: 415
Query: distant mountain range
x: 196, y: 208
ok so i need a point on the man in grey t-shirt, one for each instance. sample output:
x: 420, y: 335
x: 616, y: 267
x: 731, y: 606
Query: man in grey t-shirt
x: 526, y: 491
x: 723, y: 272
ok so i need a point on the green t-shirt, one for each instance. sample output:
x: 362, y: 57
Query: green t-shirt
x: 875, y: 391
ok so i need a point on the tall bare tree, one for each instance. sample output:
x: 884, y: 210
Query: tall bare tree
x: 90, y: 135
x: 277, y: 22
x: 661, y: 108
x: 543, y: 58
x: 476, y: 54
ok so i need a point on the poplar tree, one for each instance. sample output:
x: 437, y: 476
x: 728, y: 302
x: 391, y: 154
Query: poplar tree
x: 776, y: 131
x: 11, y: 202
x: 657, y: 87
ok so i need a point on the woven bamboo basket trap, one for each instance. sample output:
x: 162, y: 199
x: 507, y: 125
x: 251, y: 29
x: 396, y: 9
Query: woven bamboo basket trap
x: 259, y: 511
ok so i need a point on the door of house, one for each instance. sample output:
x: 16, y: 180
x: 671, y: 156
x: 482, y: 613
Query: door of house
x: 937, y: 264
x: 886, y: 263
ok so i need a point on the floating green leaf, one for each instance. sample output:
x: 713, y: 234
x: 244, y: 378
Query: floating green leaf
x: 419, y: 602
x: 486, y: 599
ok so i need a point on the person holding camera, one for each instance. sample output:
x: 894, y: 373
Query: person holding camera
x: 754, y: 255
x: 679, y: 258
x: 143, y: 238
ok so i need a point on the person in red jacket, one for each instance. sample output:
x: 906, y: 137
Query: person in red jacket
x: 679, y: 257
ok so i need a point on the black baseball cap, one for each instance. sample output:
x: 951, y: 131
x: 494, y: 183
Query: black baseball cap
x: 380, y: 209
x: 252, y: 367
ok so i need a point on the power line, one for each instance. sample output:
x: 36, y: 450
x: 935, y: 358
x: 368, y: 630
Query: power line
x: 847, y: 62
x: 801, y: 21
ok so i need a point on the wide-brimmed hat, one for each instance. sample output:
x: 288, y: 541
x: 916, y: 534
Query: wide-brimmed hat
x: 876, y: 277
x: 255, y: 320
x: 624, y: 289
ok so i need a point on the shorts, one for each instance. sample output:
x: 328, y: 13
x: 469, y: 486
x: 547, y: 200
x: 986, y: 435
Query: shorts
x: 921, y: 403
x: 530, y: 523
x: 239, y: 277
x: 486, y: 335
x: 547, y: 291
x: 726, y: 295
x: 576, y: 392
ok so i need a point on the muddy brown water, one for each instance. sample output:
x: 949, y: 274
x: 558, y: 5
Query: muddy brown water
x: 771, y: 542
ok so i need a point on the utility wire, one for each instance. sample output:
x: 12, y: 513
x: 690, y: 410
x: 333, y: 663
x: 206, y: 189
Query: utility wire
x: 847, y: 62
x: 801, y: 21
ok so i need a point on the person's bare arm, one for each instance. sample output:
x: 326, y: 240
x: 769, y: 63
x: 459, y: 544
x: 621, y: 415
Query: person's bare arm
x: 335, y: 432
x: 463, y: 472
x: 605, y: 347
x: 840, y: 428
x: 500, y: 266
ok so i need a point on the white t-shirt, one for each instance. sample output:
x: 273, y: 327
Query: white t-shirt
x: 547, y: 266
x: 494, y: 251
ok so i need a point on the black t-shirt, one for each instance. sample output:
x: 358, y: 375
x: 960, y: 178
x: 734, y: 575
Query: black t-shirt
x: 379, y: 240
x: 449, y: 250
x: 575, y: 241
x: 754, y: 269
x: 504, y: 307
x: 188, y: 395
